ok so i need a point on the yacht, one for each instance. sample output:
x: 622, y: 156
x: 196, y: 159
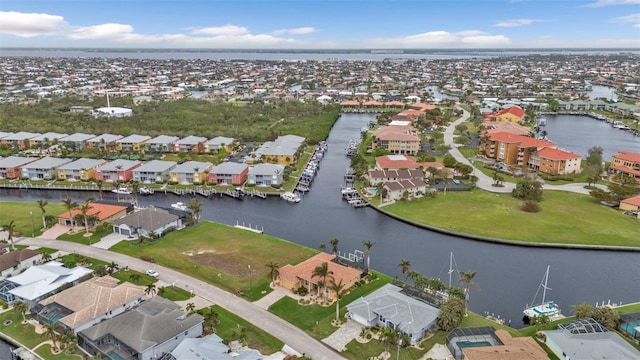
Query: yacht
x: 122, y: 190
x: 548, y: 308
x: 290, y: 197
x: 179, y: 206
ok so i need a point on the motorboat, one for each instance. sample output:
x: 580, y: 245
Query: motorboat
x: 290, y: 197
x: 122, y: 190
x: 145, y: 191
x: 545, y: 307
x: 179, y: 205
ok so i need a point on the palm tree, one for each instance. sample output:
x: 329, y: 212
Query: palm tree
x: 46, y: 257
x: 21, y: 307
x: 466, y: 279
x: 273, y: 271
x: 240, y: 334
x: 368, y: 245
x: 135, y: 277
x: 404, y: 266
x: 117, y: 184
x: 69, y: 204
x: 100, y: 271
x: 135, y: 186
x: 338, y: 289
x: 322, y: 271
x: 50, y: 331
x: 10, y: 228
x: 195, y: 208
x: 41, y: 204
x: 100, y: 185
x: 190, y: 307
x: 334, y: 245
x: 151, y: 289
x: 84, y: 209
x: 322, y: 246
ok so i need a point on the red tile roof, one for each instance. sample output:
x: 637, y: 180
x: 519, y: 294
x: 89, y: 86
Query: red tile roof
x: 502, y: 126
x: 103, y: 211
x: 512, y: 110
x: 632, y: 200
x: 394, y: 132
x: 555, y: 154
x: 627, y: 156
x: 523, y: 141
x: 304, y: 270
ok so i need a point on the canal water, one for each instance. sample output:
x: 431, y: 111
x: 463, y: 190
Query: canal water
x: 508, y: 276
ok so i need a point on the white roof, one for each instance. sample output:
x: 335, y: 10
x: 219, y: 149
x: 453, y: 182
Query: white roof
x: 40, y: 280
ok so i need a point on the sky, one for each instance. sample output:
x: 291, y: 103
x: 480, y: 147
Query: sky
x: 320, y: 24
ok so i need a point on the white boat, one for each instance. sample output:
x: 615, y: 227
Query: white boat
x: 290, y: 197
x: 548, y: 308
x: 179, y: 206
x: 122, y: 191
x: 145, y: 191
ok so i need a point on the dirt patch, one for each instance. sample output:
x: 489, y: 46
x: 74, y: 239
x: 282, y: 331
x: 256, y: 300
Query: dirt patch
x: 234, y: 264
x: 197, y: 252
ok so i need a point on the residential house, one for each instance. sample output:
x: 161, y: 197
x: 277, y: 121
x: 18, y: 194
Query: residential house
x: 104, y: 142
x: 265, y: 175
x: 624, y: 162
x: 16, y: 261
x: 587, y: 339
x: 43, y: 169
x: 149, y: 223
x: 210, y: 347
x: 148, y: 331
x: 21, y: 140
x: 510, y: 348
x: 512, y: 149
x: 229, y: 173
x: 83, y: 169
x: 154, y: 171
x: 117, y: 170
x: 47, y: 139
x: 77, y: 141
x: 555, y: 162
x: 631, y: 204
x: 220, y: 142
x: 491, y: 127
x: 3, y: 135
x: 191, y: 172
x: 282, y: 151
x: 294, y: 277
x: 512, y: 114
x: 88, y: 303
x: 11, y: 167
x: 381, y: 176
x: 99, y: 212
x: 397, y: 162
x: 405, y: 189
x: 192, y: 143
x: 40, y: 281
x: 388, y: 307
x: 162, y: 144
x: 397, y: 139
x: 132, y: 143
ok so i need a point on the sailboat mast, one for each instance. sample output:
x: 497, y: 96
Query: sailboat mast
x: 450, y: 267
x: 544, y: 286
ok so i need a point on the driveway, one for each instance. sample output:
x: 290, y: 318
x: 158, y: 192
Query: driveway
x: 54, y: 231
x: 108, y: 241
x: 286, y: 332
x: 344, y: 335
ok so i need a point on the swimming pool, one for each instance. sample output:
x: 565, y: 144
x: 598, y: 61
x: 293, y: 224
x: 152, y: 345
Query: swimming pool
x: 114, y: 356
x: 471, y: 344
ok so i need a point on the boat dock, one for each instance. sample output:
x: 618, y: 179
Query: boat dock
x: 248, y: 227
x: 352, y: 197
x: 311, y: 169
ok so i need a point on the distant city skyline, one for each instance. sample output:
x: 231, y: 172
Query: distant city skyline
x: 321, y: 24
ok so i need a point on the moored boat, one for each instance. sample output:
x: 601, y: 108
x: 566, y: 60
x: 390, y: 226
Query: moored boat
x: 544, y: 308
x: 290, y: 197
x: 122, y: 190
x: 179, y: 206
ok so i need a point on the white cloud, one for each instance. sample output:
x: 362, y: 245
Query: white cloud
x: 601, y: 3
x: 296, y: 31
x: 628, y: 18
x: 441, y: 39
x: 103, y: 31
x: 30, y: 24
x: 515, y: 22
x: 225, y: 30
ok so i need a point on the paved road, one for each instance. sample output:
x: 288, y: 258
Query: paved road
x: 289, y: 334
x: 485, y: 182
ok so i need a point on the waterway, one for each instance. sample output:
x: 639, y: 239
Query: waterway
x: 579, y: 133
x: 508, y: 276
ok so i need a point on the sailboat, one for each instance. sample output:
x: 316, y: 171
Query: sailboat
x: 548, y: 308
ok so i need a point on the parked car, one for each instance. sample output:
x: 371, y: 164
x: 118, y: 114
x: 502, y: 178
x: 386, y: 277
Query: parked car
x: 456, y: 181
x: 152, y: 273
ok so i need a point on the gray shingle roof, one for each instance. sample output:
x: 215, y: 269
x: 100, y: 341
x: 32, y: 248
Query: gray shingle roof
x: 192, y: 140
x: 134, y: 139
x: 126, y: 164
x: 47, y: 163
x: 78, y: 137
x: 265, y: 169
x: 163, y: 139
x: 188, y: 167
x: 83, y: 163
x: 148, y: 219
x: 14, y: 161
x: 155, y: 166
x: 107, y: 138
x: 229, y: 168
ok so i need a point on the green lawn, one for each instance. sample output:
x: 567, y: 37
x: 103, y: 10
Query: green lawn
x: 25, y: 334
x: 45, y: 352
x: 20, y: 213
x: 256, y: 338
x: 142, y: 279
x: 72, y: 260
x: 565, y: 218
x: 174, y: 293
x: 82, y: 238
x: 220, y: 254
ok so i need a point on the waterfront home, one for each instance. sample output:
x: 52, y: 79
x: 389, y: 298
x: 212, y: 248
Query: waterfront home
x: 405, y: 189
x: 153, y: 328
x: 281, y: 151
x: 220, y: 142
x: 77, y: 141
x: 512, y: 114
x: 132, y: 143
x: 511, y: 149
x: 47, y: 139
x: 397, y: 162
x: 192, y: 143
x: 40, y: 281
x: 388, y: 307
x: 265, y: 174
x: 104, y: 142
x: 191, y: 172
x: 381, y: 176
x: 43, y: 169
x: 162, y: 144
x: 410, y: 115
x: 16, y: 261
x: 229, y: 173
x: 83, y: 169
x: 98, y: 212
x: 396, y: 139
x: 117, y: 170
x: 555, y: 161
x: 294, y: 277
x: 493, y: 344
x: 88, y: 303
x: 20, y: 140
x: 491, y: 127
x: 149, y: 223
x: 582, y: 338
x: 626, y: 162
x: 11, y: 167
x: 211, y: 347
x: 154, y: 171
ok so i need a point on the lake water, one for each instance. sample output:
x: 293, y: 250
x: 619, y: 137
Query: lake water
x: 508, y: 276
